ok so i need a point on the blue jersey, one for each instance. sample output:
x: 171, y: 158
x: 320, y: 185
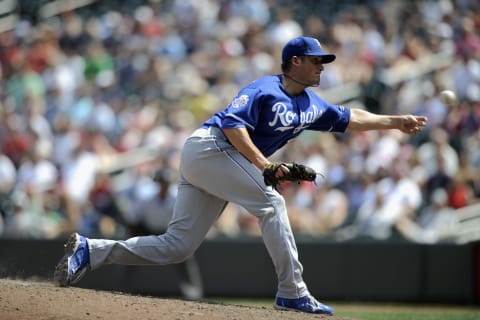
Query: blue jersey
x: 273, y: 117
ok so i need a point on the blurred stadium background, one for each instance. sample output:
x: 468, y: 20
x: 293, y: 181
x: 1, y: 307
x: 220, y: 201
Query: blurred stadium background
x: 98, y: 96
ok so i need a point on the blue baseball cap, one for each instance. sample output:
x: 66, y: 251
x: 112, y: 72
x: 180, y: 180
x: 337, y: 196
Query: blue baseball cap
x: 305, y: 46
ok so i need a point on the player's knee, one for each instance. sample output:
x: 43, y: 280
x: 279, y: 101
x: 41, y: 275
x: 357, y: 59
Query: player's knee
x: 181, y: 250
x: 276, y: 203
x: 182, y: 253
x: 279, y: 202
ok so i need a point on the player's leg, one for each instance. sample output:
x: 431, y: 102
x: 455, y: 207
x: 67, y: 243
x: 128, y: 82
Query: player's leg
x: 245, y: 187
x: 270, y: 208
x: 229, y: 175
x: 194, y: 213
x: 237, y: 180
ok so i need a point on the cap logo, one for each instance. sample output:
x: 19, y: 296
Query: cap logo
x: 318, y: 43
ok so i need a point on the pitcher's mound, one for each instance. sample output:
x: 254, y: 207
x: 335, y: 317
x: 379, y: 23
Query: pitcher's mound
x: 37, y: 300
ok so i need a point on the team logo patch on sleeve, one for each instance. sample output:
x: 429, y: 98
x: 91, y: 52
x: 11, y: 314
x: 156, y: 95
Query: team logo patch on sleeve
x: 241, y: 101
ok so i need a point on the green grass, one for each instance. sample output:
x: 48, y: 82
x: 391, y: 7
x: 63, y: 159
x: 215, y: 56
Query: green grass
x: 405, y: 312
x: 379, y: 311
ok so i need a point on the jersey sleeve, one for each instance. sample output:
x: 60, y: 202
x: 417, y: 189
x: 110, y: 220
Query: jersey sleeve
x: 243, y: 111
x: 335, y: 118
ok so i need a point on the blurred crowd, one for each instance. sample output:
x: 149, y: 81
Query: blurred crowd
x: 94, y: 103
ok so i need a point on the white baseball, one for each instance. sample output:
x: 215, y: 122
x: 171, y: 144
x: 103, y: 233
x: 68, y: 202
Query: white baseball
x: 448, y: 97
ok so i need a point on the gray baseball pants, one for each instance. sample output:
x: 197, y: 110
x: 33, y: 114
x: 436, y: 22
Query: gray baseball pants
x: 213, y: 173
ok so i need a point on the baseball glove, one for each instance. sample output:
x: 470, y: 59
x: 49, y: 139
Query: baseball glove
x: 298, y: 173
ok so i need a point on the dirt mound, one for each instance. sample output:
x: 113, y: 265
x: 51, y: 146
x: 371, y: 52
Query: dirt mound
x: 20, y: 299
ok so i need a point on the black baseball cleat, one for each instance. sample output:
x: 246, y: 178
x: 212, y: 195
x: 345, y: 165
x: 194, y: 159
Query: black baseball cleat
x: 75, y: 263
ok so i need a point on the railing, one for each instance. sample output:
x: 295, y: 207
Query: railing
x: 8, y: 15
x: 53, y: 8
x: 10, y: 10
x: 416, y: 69
x: 468, y: 226
x: 120, y: 161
